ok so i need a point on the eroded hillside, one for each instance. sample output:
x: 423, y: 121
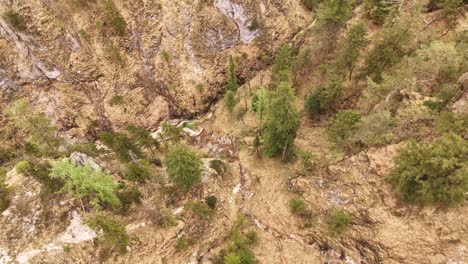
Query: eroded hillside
x: 233, y: 132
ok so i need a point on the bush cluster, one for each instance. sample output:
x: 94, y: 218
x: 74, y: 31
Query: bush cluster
x: 432, y: 173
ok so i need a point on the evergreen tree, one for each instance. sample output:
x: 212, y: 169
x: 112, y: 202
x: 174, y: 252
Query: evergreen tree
x: 432, y: 173
x: 183, y: 167
x: 232, y: 83
x: 282, y: 122
x: 143, y: 138
x: 355, y: 41
x: 282, y: 66
x: 333, y: 13
x: 230, y: 100
x: 259, y: 103
x: 342, y: 127
x: 124, y: 148
x: 380, y: 9
x: 387, y: 51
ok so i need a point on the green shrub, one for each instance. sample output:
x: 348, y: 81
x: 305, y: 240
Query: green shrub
x: 114, y: 19
x: 333, y: 13
x: 432, y: 173
x: 15, y: 20
x: 297, y: 206
x: 200, y: 209
x: 282, y: 65
x: 182, y: 244
x: 127, y: 197
x: 168, y: 219
x: 123, y: 147
x: 171, y: 133
x: 240, y: 244
x: 114, y: 238
x: 143, y: 138
x: 40, y: 171
x: 183, y: 167
x: 137, y: 171
x: 219, y: 166
x: 6, y: 155
x: 324, y: 98
x: 342, y: 127
x: 4, y: 192
x: 211, y: 201
x: 374, y: 129
x: 450, y: 122
x: 83, y: 182
x: 379, y: 9
x: 388, y: 50
x: 117, y: 100
x: 338, y: 221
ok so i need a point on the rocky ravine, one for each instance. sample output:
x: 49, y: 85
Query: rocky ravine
x: 171, y: 60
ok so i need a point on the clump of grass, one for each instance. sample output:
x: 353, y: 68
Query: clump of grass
x: 114, y: 19
x: 114, y: 54
x: 182, y: 244
x: 114, y: 238
x: 200, y: 209
x: 117, y: 100
x: 298, y: 207
x: 338, y: 221
x: 15, y: 20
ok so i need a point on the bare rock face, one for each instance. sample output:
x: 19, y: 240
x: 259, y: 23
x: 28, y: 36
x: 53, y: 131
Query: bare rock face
x: 170, y: 61
x: 81, y: 159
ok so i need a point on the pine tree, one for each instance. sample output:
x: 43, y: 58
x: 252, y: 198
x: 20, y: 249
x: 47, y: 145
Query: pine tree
x: 282, y: 66
x: 388, y: 50
x: 230, y: 100
x: 432, y: 173
x: 259, y: 103
x: 232, y: 83
x: 143, y: 138
x: 333, y: 13
x: 183, y: 167
x: 355, y: 41
x: 282, y: 122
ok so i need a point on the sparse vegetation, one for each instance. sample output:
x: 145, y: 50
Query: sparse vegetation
x: 114, y: 238
x: 338, y: 221
x: 113, y: 19
x: 137, y: 171
x: 298, y: 207
x: 15, y: 20
x: 123, y: 147
x: 200, y: 209
x: 4, y: 191
x: 342, y: 127
x: 42, y: 133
